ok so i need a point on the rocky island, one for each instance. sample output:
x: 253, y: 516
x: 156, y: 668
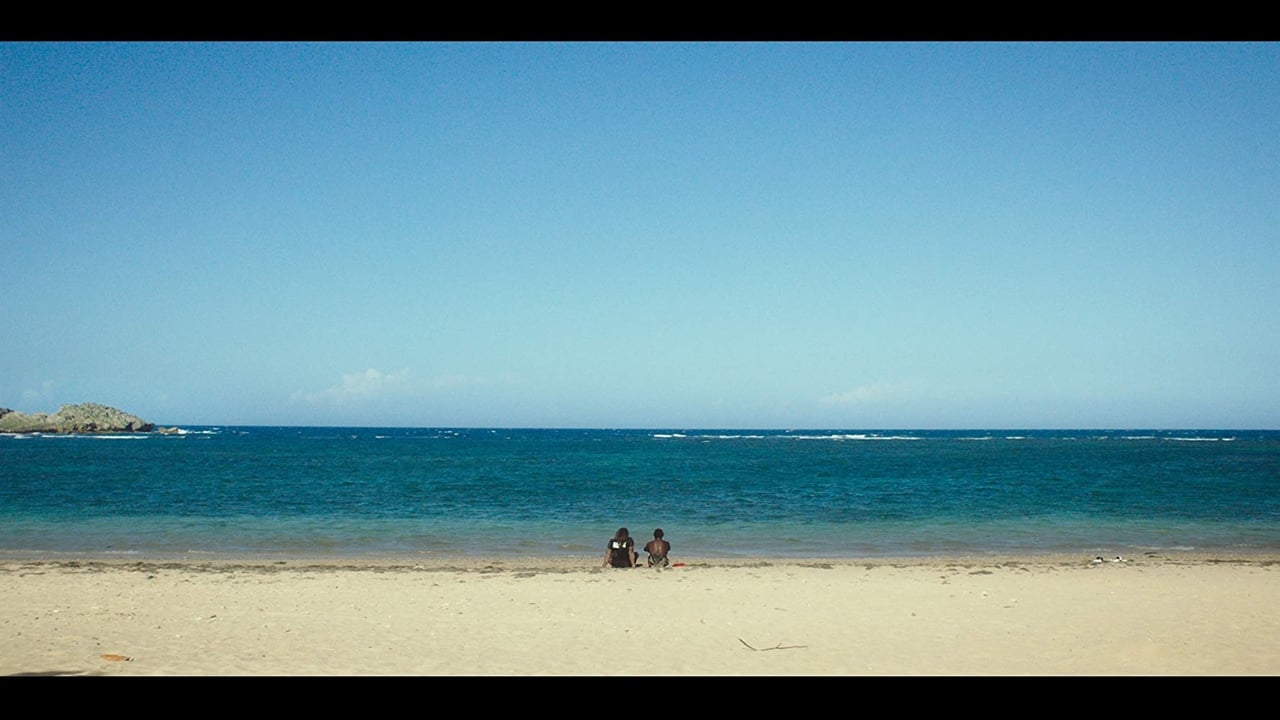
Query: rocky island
x: 82, y: 418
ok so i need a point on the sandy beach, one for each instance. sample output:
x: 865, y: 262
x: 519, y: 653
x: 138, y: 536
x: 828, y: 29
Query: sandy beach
x: 1148, y: 615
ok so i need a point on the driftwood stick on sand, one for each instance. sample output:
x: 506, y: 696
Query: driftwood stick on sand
x: 779, y: 646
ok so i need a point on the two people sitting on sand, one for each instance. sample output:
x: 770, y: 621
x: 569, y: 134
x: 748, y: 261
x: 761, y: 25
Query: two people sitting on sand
x: 621, y: 550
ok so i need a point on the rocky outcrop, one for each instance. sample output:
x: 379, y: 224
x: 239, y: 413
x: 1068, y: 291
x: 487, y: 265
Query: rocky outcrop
x: 82, y: 418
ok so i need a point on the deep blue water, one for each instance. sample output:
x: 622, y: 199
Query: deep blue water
x: 485, y: 492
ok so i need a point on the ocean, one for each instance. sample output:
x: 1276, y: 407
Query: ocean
x: 325, y: 492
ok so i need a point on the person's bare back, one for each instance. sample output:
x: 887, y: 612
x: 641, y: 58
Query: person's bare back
x: 657, y: 548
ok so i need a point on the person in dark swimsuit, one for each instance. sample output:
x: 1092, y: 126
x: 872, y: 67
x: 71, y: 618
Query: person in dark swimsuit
x: 621, y: 550
x: 658, y: 549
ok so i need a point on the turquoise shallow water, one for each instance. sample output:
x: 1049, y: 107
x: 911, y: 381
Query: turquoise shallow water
x: 429, y: 492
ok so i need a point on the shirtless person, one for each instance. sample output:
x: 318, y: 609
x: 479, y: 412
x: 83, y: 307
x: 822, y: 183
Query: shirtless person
x: 658, y: 549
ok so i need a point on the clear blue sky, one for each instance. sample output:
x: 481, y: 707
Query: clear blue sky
x: 669, y: 235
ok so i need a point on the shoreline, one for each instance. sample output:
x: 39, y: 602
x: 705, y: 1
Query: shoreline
x: 1165, y: 614
x: 582, y: 562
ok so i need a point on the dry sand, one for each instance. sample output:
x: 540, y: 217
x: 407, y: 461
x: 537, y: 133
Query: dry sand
x: 1148, y: 615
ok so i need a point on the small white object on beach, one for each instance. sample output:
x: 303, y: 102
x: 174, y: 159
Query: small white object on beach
x: 1118, y: 559
x: 1097, y: 559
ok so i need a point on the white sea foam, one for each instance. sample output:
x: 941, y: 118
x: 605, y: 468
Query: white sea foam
x: 733, y: 437
x: 855, y: 436
x: 118, y: 437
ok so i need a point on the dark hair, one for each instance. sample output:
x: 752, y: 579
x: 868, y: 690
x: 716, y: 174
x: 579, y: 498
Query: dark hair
x: 622, y: 533
x: 657, y: 533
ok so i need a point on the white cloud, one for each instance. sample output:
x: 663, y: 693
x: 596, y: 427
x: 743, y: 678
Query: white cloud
x: 355, y: 387
x: 452, y: 381
x: 373, y: 385
x: 32, y: 396
x: 863, y: 394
